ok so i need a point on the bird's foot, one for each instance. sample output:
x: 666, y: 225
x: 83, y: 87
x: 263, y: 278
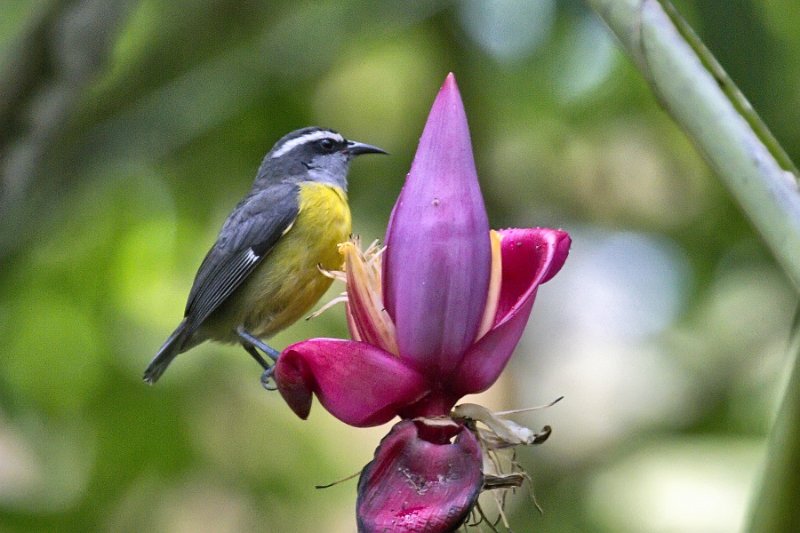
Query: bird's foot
x: 253, y: 344
x: 267, y: 379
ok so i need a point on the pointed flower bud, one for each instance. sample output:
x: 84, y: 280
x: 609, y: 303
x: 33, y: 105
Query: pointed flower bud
x: 438, y: 256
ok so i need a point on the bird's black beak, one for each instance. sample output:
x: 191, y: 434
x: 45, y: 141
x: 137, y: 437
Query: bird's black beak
x: 356, y: 148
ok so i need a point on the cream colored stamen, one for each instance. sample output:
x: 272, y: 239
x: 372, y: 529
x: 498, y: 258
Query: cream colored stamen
x: 495, y: 280
x: 366, y: 315
x: 365, y: 294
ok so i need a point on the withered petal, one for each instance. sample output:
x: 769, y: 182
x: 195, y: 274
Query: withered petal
x: 415, y: 485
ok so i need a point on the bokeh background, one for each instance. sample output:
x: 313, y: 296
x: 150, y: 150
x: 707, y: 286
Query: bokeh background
x: 128, y: 130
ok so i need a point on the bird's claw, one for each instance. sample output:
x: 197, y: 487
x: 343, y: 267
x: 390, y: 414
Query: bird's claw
x: 268, y: 380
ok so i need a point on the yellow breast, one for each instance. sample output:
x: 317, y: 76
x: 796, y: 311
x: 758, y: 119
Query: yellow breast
x: 288, y: 282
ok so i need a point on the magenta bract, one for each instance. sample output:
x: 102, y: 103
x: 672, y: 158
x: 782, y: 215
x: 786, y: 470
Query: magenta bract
x: 529, y: 257
x: 360, y: 383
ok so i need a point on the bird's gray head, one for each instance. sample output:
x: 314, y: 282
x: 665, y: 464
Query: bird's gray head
x: 312, y: 154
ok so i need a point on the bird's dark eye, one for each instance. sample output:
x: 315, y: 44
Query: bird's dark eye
x: 327, y: 145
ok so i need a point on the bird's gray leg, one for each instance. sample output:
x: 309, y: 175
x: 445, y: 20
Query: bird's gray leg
x: 257, y: 356
x: 250, y: 339
x: 249, y: 343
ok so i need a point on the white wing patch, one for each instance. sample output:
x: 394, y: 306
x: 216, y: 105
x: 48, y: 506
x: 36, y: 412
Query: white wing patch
x: 251, y: 256
x: 289, y: 145
x: 284, y: 232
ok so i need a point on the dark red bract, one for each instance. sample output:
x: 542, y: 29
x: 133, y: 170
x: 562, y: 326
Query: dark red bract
x: 415, y: 485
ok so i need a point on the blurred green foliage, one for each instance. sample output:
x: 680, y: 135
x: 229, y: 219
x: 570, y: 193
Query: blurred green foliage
x: 128, y: 130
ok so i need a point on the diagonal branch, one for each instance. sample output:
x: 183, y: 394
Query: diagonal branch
x: 776, y: 508
x: 701, y: 98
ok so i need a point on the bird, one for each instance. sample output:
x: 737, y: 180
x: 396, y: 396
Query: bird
x: 263, y: 272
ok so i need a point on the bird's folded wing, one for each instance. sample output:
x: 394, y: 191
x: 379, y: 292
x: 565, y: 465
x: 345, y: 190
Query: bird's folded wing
x: 247, y: 237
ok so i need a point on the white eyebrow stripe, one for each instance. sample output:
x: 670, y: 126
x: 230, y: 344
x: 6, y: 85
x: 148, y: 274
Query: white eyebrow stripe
x: 303, y: 139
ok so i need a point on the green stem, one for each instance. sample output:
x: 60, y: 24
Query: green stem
x: 702, y: 99
x: 777, y: 508
x: 730, y: 89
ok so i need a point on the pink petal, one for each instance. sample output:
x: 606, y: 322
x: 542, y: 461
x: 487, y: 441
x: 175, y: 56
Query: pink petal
x: 437, y: 262
x: 356, y: 382
x: 419, y: 481
x: 530, y: 258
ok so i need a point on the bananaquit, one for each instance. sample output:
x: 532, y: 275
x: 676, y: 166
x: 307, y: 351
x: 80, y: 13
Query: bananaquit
x: 262, y: 273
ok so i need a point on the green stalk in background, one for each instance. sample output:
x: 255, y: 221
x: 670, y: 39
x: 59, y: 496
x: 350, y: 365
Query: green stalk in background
x: 777, y: 508
x: 703, y: 100
x: 689, y: 83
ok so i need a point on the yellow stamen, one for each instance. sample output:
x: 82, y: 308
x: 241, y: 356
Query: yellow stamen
x: 365, y: 290
x: 337, y: 275
x: 339, y: 299
x: 495, y: 279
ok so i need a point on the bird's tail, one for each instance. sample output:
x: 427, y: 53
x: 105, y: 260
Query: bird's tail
x: 174, y: 345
